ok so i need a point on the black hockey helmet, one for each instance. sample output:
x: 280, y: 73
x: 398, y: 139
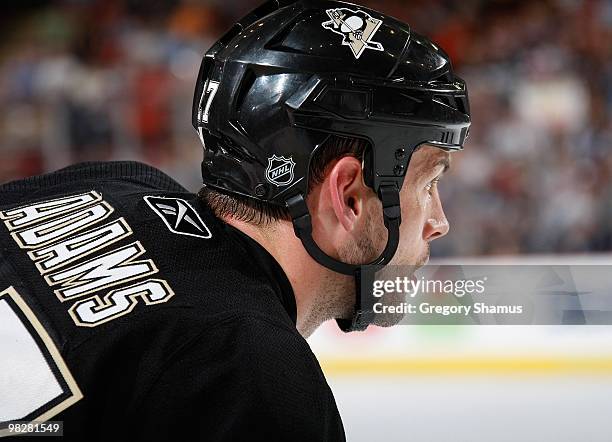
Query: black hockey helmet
x: 291, y: 74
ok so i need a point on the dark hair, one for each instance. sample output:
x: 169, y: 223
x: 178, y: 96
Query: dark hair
x: 258, y: 213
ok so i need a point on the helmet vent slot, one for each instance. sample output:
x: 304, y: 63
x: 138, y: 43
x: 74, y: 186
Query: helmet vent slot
x: 345, y: 102
x: 447, y: 137
x: 277, y: 43
x: 454, y: 102
x: 395, y: 103
x: 245, y: 86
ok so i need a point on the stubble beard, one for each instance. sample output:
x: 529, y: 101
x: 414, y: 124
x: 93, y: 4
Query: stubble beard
x: 369, y: 246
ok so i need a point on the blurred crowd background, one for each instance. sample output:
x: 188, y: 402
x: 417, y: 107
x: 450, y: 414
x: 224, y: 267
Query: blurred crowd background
x: 107, y: 79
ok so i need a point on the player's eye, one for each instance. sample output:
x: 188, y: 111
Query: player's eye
x: 432, y: 185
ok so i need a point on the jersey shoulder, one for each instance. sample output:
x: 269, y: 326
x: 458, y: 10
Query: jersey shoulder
x: 115, y: 241
x: 112, y: 175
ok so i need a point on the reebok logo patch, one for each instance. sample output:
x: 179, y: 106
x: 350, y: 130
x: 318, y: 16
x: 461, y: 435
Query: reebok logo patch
x: 178, y: 215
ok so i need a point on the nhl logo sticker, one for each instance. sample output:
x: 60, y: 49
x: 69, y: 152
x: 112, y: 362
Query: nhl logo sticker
x: 357, y: 28
x: 280, y: 170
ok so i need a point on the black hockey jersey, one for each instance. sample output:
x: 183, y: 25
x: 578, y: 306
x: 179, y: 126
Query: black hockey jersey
x: 130, y: 312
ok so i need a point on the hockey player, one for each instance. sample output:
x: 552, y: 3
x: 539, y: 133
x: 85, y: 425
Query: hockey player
x: 132, y: 309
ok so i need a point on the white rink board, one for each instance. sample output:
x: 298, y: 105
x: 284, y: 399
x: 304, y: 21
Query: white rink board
x: 459, y: 400
x: 474, y: 410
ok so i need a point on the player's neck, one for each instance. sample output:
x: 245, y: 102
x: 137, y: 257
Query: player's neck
x: 303, y: 272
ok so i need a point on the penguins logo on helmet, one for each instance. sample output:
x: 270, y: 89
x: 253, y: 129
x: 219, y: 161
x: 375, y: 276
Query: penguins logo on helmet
x: 357, y: 28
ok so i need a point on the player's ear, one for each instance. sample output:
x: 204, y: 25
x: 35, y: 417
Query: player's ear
x: 347, y: 191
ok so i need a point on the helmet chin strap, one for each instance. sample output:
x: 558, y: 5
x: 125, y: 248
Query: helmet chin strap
x: 363, y: 314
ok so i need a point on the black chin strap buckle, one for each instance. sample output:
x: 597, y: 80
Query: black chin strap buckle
x: 300, y: 215
x: 302, y: 224
x: 389, y: 196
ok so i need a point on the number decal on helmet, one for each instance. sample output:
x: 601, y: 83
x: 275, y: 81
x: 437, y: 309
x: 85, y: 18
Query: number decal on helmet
x: 211, y: 91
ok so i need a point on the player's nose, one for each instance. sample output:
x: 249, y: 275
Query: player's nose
x: 435, y: 228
